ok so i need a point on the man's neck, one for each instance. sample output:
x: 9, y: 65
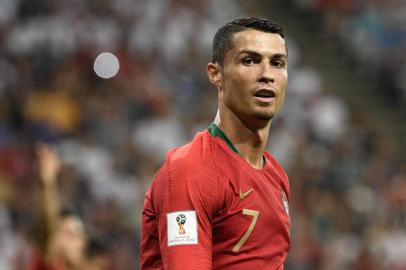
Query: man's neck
x: 250, y: 142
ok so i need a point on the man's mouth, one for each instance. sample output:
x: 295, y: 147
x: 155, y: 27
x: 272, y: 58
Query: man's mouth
x: 265, y: 95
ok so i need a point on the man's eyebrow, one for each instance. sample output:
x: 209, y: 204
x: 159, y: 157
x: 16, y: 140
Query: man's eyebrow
x: 249, y: 52
x: 279, y: 56
x: 274, y: 56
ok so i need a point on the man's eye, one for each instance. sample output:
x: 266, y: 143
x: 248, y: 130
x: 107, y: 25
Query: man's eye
x: 248, y: 61
x: 278, y: 63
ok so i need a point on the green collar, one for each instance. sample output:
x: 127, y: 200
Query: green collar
x: 215, y: 131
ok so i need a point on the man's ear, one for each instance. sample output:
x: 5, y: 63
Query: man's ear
x: 214, y: 74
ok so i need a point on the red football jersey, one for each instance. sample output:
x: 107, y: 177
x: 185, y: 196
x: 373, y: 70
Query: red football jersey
x: 38, y: 263
x: 207, y: 208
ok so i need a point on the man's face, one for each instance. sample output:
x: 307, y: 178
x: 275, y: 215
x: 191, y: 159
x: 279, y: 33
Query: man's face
x: 70, y: 240
x: 254, y: 75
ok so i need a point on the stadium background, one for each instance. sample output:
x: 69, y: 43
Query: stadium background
x: 340, y: 136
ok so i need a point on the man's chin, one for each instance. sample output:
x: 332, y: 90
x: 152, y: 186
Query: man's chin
x: 74, y: 262
x: 264, y: 116
x: 258, y: 120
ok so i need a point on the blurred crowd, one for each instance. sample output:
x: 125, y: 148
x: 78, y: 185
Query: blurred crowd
x: 373, y: 35
x: 348, y: 184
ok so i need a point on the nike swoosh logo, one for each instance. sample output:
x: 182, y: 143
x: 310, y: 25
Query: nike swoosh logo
x: 245, y: 194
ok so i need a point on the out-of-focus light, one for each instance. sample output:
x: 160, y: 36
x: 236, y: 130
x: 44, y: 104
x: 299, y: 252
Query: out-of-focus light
x: 106, y: 65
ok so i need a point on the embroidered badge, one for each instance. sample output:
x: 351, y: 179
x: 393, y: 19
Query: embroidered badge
x: 285, y: 202
x: 182, y: 228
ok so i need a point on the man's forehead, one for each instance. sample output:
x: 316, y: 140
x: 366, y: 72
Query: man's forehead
x: 258, y: 41
x: 72, y: 224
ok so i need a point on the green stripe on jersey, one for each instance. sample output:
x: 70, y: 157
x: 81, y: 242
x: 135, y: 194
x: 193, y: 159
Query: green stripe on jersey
x: 215, y: 131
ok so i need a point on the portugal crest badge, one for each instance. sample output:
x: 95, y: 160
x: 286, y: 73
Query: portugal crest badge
x: 285, y: 202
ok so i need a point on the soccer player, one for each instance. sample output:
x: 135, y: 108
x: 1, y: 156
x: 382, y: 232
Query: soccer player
x: 221, y: 201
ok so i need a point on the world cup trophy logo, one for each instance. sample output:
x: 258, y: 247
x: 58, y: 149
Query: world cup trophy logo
x: 181, y: 220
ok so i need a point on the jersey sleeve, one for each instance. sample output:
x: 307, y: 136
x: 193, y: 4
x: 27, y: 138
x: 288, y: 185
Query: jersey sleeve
x: 185, y: 197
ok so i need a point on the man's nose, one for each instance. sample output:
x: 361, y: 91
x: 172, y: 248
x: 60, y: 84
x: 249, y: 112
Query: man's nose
x: 266, y: 75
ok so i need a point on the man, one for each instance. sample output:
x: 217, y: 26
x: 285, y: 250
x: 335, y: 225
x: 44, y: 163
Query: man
x: 64, y: 237
x: 221, y: 201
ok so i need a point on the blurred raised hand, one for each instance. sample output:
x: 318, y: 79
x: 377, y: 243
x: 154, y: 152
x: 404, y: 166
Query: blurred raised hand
x: 48, y: 163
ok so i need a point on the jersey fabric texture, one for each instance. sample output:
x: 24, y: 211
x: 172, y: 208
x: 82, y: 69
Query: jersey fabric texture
x: 241, y: 212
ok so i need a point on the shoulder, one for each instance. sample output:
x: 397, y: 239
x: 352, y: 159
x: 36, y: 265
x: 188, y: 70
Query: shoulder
x: 280, y: 171
x: 194, y: 156
x: 186, y: 179
x: 188, y: 165
x: 38, y: 262
x: 276, y: 165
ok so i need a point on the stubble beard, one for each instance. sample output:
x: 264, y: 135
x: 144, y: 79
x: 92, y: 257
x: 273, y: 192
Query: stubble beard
x: 256, y: 119
x: 263, y: 116
x: 263, y: 113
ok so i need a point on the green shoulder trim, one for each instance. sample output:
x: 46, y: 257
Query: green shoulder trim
x: 215, y: 131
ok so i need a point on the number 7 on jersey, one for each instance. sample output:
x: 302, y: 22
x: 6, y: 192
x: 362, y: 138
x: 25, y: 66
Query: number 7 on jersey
x: 244, y: 238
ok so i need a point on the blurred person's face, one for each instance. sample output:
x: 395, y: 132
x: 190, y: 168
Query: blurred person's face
x: 70, y: 241
x: 253, y: 77
x: 97, y: 263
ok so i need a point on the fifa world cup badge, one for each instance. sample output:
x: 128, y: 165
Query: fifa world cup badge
x: 181, y: 220
x: 182, y: 228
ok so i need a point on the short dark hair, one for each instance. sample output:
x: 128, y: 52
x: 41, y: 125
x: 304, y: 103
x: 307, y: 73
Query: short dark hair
x: 67, y: 212
x: 223, y: 39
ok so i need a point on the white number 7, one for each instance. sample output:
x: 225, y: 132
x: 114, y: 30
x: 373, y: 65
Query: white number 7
x: 244, y: 238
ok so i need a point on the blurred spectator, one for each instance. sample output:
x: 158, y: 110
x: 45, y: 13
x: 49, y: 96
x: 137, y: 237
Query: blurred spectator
x: 64, y: 239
